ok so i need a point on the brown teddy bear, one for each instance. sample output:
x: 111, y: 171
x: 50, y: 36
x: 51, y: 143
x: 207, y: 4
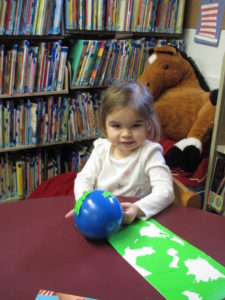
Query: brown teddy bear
x: 183, y: 103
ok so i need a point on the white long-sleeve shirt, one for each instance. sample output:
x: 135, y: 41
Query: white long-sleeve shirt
x: 143, y: 175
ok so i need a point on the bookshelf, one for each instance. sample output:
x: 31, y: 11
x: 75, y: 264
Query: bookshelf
x: 33, y: 76
x: 77, y: 106
x: 217, y: 153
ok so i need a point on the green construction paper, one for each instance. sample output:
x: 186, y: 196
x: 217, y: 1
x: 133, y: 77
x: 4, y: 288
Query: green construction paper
x: 79, y: 202
x: 177, y: 269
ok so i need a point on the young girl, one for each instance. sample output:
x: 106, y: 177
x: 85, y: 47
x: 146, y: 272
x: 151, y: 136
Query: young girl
x: 127, y: 163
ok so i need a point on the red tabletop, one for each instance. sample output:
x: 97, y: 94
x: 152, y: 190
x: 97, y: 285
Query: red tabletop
x: 40, y: 249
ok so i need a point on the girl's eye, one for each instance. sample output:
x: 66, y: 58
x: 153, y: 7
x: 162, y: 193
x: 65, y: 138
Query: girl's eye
x: 116, y: 126
x: 136, y: 125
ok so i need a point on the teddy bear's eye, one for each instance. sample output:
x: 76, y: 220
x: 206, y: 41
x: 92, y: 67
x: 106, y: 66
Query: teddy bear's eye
x: 166, y: 67
x: 148, y: 84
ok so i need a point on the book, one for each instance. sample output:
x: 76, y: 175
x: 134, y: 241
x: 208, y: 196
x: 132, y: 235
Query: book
x: 30, y: 25
x: 2, y: 50
x: 61, y: 71
x: 26, y: 46
x: 57, y: 17
x: 134, y: 20
x: 180, y: 17
x: 19, y: 176
x: 83, y: 62
x: 20, y: 53
x: 13, y: 69
x: 9, y: 29
x: 90, y: 62
x: 88, y: 13
x: 75, y: 57
x: 35, y: 20
x: 121, y: 15
x: 1, y: 124
x: 97, y: 62
x: 2, y: 16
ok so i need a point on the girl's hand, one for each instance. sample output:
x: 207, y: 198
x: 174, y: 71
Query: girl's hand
x: 130, y: 212
x: 69, y: 214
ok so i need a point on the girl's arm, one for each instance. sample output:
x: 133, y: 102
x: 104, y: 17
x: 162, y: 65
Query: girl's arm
x: 87, y: 177
x: 161, y: 182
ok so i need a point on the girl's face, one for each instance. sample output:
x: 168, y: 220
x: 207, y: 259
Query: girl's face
x: 126, y: 130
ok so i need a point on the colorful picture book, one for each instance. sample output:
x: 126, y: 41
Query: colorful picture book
x: 50, y: 295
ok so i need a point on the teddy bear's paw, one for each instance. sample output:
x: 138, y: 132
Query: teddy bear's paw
x: 173, y: 157
x: 190, y: 159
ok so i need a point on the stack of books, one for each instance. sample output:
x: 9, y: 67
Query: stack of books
x: 27, y: 69
x: 105, y: 62
x: 30, y: 17
x: 49, y: 119
x: 126, y: 15
x: 20, y: 175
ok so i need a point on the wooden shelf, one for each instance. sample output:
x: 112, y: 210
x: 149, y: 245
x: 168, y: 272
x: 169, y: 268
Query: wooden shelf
x: 49, y: 144
x: 12, y: 38
x: 125, y: 34
x: 9, y: 200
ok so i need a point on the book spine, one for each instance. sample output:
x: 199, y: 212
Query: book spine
x: 36, y: 15
x: 1, y: 125
x: 62, y: 64
x: 24, y: 66
x: 44, y: 66
x: 2, y: 49
x: 19, y: 176
x: 34, y: 12
x: 52, y: 68
x: 20, y: 54
x: 9, y: 30
x: 13, y: 69
x: 47, y: 72
x: 28, y: 18
x: 2, y: 17
x: 97, y: 62
x: 57, y: 17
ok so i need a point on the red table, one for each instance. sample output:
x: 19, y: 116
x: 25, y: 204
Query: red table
x: 40, y: 249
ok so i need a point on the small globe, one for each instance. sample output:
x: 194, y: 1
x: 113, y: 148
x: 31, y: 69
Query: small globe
x: 98, y: 214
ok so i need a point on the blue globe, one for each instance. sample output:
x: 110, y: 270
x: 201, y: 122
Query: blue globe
x: 98, y: 214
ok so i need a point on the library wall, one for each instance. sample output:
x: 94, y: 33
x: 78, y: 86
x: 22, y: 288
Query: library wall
x: 208, y: 58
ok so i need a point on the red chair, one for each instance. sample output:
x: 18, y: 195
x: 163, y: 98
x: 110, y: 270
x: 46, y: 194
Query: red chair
x: 60, y: 185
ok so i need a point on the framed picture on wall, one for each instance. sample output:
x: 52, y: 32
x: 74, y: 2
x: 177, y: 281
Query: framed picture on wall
x: 209, y: 22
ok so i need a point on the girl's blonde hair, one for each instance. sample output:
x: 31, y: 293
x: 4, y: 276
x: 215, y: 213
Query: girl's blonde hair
x: 133, y: 94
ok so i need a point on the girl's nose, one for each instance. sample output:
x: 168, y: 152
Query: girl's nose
x: 126, y: 132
